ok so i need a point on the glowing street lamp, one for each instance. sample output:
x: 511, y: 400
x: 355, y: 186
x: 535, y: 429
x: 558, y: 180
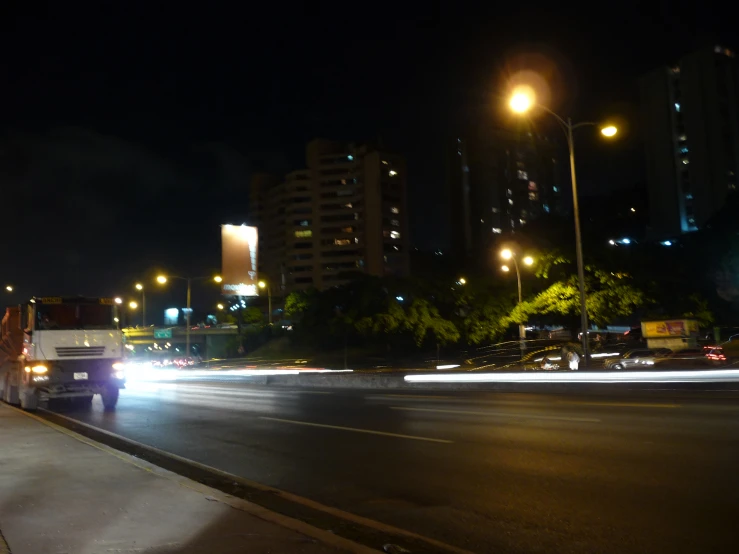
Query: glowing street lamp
x: 609, y: 131
x: 118, y: 300
x: 133, y: 305
x: 523, y: 99
x: 9, y: 288
x: 220, y: 306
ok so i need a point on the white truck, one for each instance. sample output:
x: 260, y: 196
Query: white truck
x: 61, y: 347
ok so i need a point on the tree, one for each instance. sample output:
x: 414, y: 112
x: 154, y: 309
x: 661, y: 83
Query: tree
x: 421, y: 320
x: 484, y: 315
x: 609, y: 295
x: 252, y: 315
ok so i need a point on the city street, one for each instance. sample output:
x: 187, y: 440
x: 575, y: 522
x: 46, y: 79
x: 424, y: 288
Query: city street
x: 488, y: 472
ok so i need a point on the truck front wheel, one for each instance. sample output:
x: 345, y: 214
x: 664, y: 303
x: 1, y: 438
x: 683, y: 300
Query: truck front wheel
x: 29, y: 398
x: 110, y: 397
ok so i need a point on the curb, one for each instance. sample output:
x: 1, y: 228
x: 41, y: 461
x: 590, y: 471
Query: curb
x: 4, y: 548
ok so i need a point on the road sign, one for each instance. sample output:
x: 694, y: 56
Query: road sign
x: 162, y: 333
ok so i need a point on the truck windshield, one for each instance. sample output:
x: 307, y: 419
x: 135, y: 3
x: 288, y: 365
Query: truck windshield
x: 75, y: 316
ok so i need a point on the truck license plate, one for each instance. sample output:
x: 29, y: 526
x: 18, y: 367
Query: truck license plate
x: 81, y: 376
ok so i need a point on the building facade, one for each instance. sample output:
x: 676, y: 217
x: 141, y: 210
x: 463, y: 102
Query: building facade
x: 342, y: 216
x: 689, y: 114
x: 498, y: 181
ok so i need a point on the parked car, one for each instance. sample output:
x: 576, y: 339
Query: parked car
x: 637, y: 358
x: 685, y: 358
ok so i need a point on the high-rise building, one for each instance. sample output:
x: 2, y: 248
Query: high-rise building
x: 689, y: 115
x: 342, y: 216
x: 498, y: 180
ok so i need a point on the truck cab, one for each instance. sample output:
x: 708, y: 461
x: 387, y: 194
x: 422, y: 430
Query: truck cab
x: 64, y: 347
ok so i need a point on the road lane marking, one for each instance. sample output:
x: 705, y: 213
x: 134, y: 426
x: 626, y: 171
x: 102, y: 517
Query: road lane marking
x: 406, y: 396
x: 368, y: 431
x: 619, y: 404
x: 498, y: 414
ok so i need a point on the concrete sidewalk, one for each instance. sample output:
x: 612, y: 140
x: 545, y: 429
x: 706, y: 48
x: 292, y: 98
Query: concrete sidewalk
x: 62, y: 493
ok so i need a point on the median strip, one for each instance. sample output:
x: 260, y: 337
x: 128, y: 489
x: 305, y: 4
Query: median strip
x: 498, y: 414
x: 355, y: 430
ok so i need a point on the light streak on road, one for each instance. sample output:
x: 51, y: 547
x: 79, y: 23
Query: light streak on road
x: 141, y: 372
x: 687, y: 376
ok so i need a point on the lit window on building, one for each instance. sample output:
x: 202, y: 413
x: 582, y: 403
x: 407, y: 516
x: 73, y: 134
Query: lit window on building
x: 394, y: 210
x: 522, y: 221
x: 509, y: 192
x: 522, y: 174
x: 684, y: 150
x: 732, y: 186
x: 675, y: 70
x: 686, y: 162
x: 533, y: 195
x: 304, y: 234
x: 546, y: 208
x: 347, y: 205
x: 532, y: 186
x: 304, y: 223
x: 682, y: 138
x: 356, y: 240
x: 688, y: 196
x: 350, y: 157
x: 497, y: 230
x: 343, y: 181
x: 495, y: 210
x: 510, y: 201
x: 392, y: 173
x: 342, y: 242
x: 482, y: 220
x: 555, y: 189
x: 394, y: 235
x: 677, y: 106
x: 395, y: 222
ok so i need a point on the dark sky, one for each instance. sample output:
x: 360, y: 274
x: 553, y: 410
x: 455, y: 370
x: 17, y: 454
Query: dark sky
x: 129, y: 129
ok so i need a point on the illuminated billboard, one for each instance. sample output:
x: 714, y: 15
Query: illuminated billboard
x: 239, y: 262
x: 670, y: 328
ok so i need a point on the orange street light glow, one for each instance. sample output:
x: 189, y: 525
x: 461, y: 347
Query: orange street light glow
x: 522, y: 99
x: 609, y: 131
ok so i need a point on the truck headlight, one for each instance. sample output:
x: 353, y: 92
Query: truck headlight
x: 120, y: 374
x: 38, y: 369
x: 119, y: 366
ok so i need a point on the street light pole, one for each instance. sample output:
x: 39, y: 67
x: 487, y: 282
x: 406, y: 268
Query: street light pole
x: 523, y: 100
x: 143, y: 308
x: 521, y: 326
x: 266, y: 284
x: 269, y: 303
x: 187, y: 318
x: 578, y: 246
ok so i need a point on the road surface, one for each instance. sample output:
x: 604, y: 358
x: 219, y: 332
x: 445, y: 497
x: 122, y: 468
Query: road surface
x: 489, y: 472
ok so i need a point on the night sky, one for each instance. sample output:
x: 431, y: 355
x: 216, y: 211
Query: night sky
x: 129, y: 131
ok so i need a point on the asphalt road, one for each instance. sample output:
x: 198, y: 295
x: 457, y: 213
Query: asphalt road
x: 489, y: 472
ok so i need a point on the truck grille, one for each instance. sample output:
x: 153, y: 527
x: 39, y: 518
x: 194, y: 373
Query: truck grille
x: 79, y: 351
